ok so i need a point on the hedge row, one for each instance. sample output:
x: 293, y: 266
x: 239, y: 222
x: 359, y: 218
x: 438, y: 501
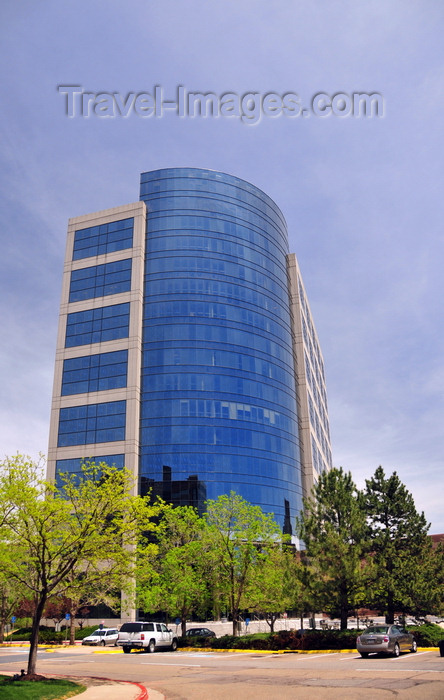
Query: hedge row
x: 292, y: 640
x: 48, y: 635
x: 427, y: 635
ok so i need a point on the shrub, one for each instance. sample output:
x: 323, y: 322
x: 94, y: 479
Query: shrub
x: 194, y: 641
x: 47, y: 635
x: 50, y: 636
x: 21, y: 635
x: 285, y: 639
x: 427, y: 635
x: 329, y: 639
x: 86, y: 631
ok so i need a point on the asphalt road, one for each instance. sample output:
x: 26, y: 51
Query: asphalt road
x: 234, y: 676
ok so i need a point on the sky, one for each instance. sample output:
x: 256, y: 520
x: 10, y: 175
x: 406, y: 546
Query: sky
x: 362, y: 196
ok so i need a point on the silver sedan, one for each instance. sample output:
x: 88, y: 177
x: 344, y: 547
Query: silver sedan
x: 385, y: 639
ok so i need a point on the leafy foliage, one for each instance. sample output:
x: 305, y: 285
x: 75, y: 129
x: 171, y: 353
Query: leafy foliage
x: 240, y: 536
x: 285, y: 639
x: 177, y: 583
x: 47, y: 635
x: 49, y: 537
x: 427, y: 635
x: 276, y: 585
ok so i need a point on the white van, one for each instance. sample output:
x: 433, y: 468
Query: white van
x: 107, y: 635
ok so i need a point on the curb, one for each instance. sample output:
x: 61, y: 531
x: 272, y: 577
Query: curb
x: 52, y: 648
x: 143, y: 695
x: 285, y: 651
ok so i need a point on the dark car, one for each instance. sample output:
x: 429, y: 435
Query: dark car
x: 199, y: 632
x: 385, y: 639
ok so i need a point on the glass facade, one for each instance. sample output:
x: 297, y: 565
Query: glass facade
x: 106, y: 238
x: 74, y: 466
x: 95, y: 372
x: 97, y: 325
x: 209, y: 371
x: 100, y: 280
x: 92, y: 423
x: 218, y: 408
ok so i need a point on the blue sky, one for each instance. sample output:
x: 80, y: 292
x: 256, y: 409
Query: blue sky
x: 362, y: 197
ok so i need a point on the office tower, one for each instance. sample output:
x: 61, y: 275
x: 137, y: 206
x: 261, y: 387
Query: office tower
x: 186, y: 348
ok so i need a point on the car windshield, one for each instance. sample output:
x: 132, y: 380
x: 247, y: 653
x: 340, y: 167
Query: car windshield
x: 379, y: 629
x: 98, y: 633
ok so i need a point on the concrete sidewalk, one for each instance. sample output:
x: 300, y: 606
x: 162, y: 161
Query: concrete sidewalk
x: 104, y: 689
x: 120, y: 691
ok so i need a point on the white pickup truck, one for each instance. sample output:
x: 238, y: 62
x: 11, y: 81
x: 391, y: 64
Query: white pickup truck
x: 146, y: 635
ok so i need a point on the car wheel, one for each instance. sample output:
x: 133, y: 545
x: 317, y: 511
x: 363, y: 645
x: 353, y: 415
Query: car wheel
x: 396, y: 650
x: 102, y: 643
x: 174, y: 645
x: 151, y: 646
x: 126, y: 650
x: 364, y: 654
x: 414, y: 647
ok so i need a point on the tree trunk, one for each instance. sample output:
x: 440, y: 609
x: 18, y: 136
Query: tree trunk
x: 32, y: 658
x: 183, y: 624
x: 72, y: 627
x: 344, y: 605
x: 2, y: 619
x: 271, y: 623
x: 390, y: 615
x: 235, y: 614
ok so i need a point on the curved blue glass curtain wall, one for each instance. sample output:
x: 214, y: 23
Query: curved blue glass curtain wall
x: 218, y: 390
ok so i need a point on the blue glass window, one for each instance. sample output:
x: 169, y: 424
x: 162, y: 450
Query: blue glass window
x: 100, y: 280
x: 107, y: 370
x: 74, y: 466
x: 97, y: 325
x: 219, y: 409
x: 84, y: 425
x: 106, y: 238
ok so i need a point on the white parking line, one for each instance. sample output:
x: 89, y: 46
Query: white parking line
x: 156, y: 663
x: 403, y: 658
x: 20, y: 651
x: 317, y: 656
x: 402, y: 670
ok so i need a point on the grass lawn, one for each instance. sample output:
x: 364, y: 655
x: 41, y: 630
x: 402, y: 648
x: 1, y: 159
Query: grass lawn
x: 51, y: 689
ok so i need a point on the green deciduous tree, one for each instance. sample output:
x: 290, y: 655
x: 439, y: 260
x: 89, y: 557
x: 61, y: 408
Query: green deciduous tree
x: 239, y: 537
x: 11, y: 597
x: 49, y: 535
x: 400, y: 549
x: 89, y: 587
x: 275, y: 586
x: 178, y: 583
x: 334, y: 531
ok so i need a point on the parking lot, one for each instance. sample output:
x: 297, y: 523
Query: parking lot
x: 186, y: 675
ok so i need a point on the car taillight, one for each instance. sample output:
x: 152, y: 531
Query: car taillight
x: 385, y: 639
x: 142, y: 636
x: 358, y: 641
